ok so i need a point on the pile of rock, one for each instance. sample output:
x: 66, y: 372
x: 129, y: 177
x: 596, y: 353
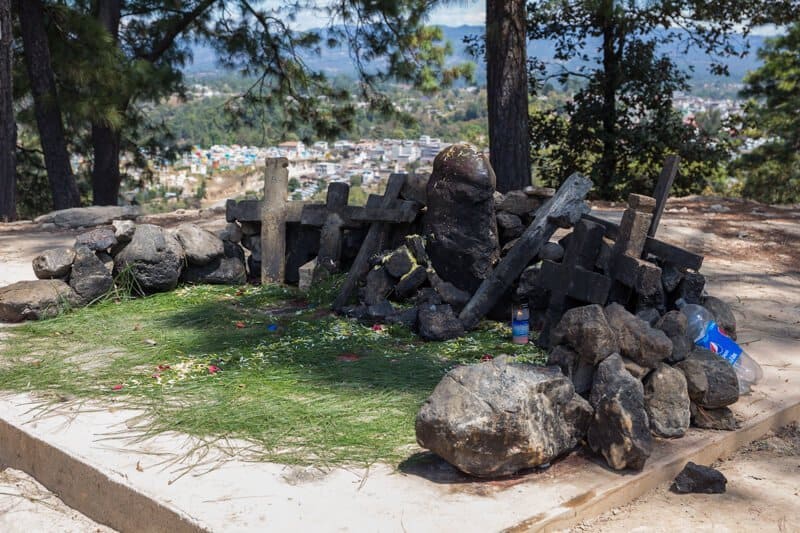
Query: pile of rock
x: 642, y: 381
x: 144, y: 257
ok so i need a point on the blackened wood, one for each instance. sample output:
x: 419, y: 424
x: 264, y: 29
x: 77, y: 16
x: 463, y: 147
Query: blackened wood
x: 567, y: 205
x: 376, y: 234
x: 662, y: 190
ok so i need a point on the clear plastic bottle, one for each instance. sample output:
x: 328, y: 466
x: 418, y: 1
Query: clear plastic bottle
x: 703, y: 330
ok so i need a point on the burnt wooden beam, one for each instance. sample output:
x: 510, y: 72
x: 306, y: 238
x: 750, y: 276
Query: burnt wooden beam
x: 375, y: 236
x: 666, y: 252
x: 663, y: 187
x: 565, y: 207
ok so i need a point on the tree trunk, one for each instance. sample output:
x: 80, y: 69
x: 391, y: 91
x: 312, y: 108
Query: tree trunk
x: 8, y: 126
x: 611, y: 66
x: 106, y: 141
x: 47, y: 109
x: 507, y: 92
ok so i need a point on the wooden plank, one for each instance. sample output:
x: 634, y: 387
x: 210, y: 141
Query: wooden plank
x: 663, y: 187
x: 664, y: 251
x: 566, y: 206
x: 407, y: 212
x: 273, y: 220
x: 330, y: 238
x: 243, y: 211
x: 375, y: 235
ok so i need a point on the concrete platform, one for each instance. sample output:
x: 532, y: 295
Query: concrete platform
x: 86, y: 454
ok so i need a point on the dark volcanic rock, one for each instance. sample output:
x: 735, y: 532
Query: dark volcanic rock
x: 99, y: 239
x: 691, y: 288
x: 379, y: 285
x: 674, y: 325
x: 55, y: 263
x: 637, y: 371
x: 639, y: 342
x: 220, y: 271
x: 670, y: 277
x: 399, y: 262
x: 123, y: 230
x: 406, y: 317
x: 574, y: 367
x: 620, y: 429
x: 231, y: 233
x: 699, y: 479
x: 510, y: 226
x: 517, y: 203
x: 711, y: 379
x: 427, y: 295
x: 721, y: 418
x: 449, y: 293
x: 154, y: 258
x: 201, y: 246
x: 380, y: 311
x: 410, y: 282
x: 551, y: 251
x: 33, y: 300
x: 666, y: 400
x: 416, y: 245
x: 460, y: 225
x: 497, y: 418
x: 649, y: 315
x: 439, y: 323
x: 587, y: 331
x: 723, y: 314
x: 90, y: 279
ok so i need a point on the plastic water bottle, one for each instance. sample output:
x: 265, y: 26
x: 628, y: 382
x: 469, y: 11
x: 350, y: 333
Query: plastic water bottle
x: 705, y: 332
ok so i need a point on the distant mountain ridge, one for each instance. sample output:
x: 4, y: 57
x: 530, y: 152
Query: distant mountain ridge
x: 337, y: 61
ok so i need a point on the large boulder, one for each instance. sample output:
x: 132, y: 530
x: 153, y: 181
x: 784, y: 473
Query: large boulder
x: 379, y: 285
x: 666, y: 399
x: 154, y: 258
x: 620, y: 428
x: 32, y: 300
x: 96, y: 215
x: 200, y: 246
x: 460, y: 226
x: 496, y: 418
x: 580, y: 372
x: 711, y: 379
x: 699, y: 479
x: 90, y: 279
x: 644, y: 345
x: 54, y: 264
x: 588, y: 332
x: 722, y: 418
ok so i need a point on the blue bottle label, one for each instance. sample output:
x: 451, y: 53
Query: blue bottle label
x: 520, y: 328
x: 719, y: 343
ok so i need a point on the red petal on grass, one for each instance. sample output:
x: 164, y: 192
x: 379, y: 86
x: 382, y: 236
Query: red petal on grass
x: 240, y: 325
x: 377, y: 327
x: 163, y: 367
x: 156, y: 376
x: 486, y: 357
x: 117, y: 387
x: 347, y: 357
x: 213, y: 369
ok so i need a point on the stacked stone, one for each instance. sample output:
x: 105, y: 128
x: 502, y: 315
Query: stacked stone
x: 145, y: 258
x: 643, y: 380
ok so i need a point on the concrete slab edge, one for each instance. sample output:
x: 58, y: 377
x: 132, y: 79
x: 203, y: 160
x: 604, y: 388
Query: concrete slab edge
x: 87, y: 489
x: 663, y: 471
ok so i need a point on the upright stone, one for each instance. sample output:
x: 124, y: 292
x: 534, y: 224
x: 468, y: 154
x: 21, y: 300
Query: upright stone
x: 460, y: 225
x: 273, y: 220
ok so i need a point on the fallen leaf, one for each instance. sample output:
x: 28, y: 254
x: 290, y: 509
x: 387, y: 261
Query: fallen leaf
x: 239, y: 292
x: 486, y: 357
x: 240, y: 325
x: 137, y: 327
x: 150, y: 342
x: 163, y: 367
x: 117, y: 387
x: 139, y: 466
x: 347, y: 357
x: 212, y: 369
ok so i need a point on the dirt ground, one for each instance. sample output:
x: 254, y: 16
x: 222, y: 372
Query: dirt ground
x: 763, y: 494
x: 747, y: 246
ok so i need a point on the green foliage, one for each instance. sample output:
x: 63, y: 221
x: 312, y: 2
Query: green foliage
x: 619, y: 124
x: 771, y: 172
x: 285, y: 389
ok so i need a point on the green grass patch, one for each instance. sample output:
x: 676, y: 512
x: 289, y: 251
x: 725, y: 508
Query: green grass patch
x: 262, y: 364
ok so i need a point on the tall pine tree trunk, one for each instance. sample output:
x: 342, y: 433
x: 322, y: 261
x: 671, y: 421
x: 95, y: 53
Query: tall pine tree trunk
x: 8, y: 126
x: 106, y: 141
x: 507, y: 91
x: 611, y: 76
x: 47, y: 109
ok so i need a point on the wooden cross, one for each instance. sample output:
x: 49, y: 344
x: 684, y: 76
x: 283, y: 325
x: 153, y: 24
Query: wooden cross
x: 273, y: 220
x: 573, y: 281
